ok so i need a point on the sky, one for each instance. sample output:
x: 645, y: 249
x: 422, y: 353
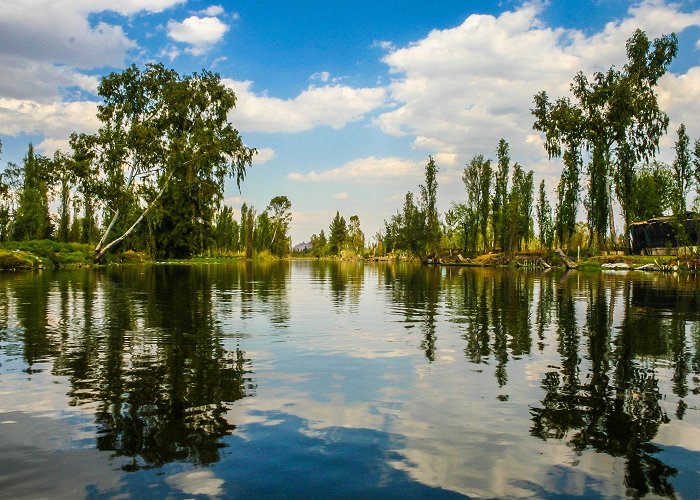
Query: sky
x: 344, y: 101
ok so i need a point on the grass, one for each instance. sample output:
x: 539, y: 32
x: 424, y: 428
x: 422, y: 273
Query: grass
x: 46, y: 253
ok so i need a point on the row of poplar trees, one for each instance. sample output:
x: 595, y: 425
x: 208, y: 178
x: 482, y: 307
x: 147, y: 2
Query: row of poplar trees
x: 607, y: 137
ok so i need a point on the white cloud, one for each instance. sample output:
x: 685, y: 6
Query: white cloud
x: 364, y: 169
x: 61, y: 32
x: 212, y: 11
x: 54, y: 121
x: 341, y: 196
x: 459, y: 90
x: 264, y: 155
x: 201, y: 33
x: 322, y: 76
x: 333, y: 106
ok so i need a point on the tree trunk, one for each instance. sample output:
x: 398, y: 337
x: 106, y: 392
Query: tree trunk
x: 567, y: 262
x: 100, y: 250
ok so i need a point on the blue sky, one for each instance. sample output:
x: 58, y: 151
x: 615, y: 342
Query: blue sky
x: 344, y: 100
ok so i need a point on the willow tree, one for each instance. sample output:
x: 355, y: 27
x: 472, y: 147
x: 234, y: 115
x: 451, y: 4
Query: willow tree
x: 165, y: 142
x: 616, y: 119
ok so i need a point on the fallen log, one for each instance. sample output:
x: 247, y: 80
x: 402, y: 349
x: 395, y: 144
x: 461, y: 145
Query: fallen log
x: 567, y: 262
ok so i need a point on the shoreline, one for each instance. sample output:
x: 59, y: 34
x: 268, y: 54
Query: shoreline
x: 79, y: 256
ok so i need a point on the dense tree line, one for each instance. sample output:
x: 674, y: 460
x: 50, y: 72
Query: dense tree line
x: 152, y: 177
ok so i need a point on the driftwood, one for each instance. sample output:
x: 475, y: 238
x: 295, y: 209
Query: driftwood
x: 567, y: 262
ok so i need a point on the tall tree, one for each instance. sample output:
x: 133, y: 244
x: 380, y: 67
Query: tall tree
x: 616, y: 117
x: 428, y: 196
x: 477, y: 182
x: 682, y: 171
x: 544, y: 218
x: 568, y: 191
x: 165, y: 142
x: 500, y: 197
x: 279, y: 211
x: 32, y: 219
x: 653, y: 190
x: 338, y: 234
x: 355, y: 235
x: 61, y: 166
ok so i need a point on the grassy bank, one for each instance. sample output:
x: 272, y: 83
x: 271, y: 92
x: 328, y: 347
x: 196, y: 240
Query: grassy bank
x: 38, y: 254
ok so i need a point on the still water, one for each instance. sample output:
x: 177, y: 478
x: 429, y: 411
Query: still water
x: 318, y: 379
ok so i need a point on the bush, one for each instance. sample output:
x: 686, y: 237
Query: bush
x: 17, y: 260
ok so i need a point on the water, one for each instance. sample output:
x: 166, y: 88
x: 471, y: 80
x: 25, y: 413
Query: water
x: 313, y: 379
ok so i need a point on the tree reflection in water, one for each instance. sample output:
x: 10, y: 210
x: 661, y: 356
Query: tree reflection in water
x: 616, y: 407
x: 146, y: 349
x: 143, y: 347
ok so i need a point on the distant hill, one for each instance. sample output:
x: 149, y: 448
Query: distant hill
x: 301, y: 247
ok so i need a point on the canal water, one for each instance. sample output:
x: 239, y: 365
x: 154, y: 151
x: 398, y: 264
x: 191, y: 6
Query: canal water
x: 348, y: 380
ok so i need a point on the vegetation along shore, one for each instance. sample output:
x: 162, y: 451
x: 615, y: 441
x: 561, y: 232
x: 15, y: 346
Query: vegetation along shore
x: 148, y: 186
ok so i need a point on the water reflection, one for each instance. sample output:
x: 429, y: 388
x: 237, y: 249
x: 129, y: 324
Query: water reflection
x: 143, y: 348
x: 405, y: 358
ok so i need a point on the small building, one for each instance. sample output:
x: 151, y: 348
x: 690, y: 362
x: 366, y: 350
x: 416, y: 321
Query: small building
x: 659, y: 236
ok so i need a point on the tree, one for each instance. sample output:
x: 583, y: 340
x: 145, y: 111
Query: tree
x: 32, y: 220
x: 338, y: 234
x: 616, y: 118
x: 653, y: 191
x: 319, y: 244
x: 428, y: 192
x: 61, y: 166
x: 355, y: 235
x: 568, y: 191
x: 500, y: 197
x: 10, y: 183
x: 477, y: 182
x: 279, y: 211
x: 226, y: 231
x: 544, y: 218
x: 247, y: 229
x: 165, y: 145
x: 682, y: 172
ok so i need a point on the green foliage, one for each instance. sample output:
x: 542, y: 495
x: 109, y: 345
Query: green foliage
x: 617, y: 118
x: 226, y: 232
x: 337, y: 235
x: 477, y: 182
x: 653, y: 190
x: 428, y: 207
x: 545, y: 224
x: 32, y: 219
x: 53, y: 252
x: 17, y: 260
x: 500, y: 198
x: 280, y: 215
x: 682, y: 172
x: 165, y: 147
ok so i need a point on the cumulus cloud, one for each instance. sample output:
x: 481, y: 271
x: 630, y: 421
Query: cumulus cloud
x: 333, y: 106
x: 201, y: 33
x: 459, y: 90
x: 264, y: 155
x: 53, y: 120
x: 364, y: 169
x: 28, y: 30
x: 212, y: 11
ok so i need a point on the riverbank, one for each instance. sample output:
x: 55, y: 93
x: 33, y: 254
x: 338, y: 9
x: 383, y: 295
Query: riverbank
x: 47, y: 254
